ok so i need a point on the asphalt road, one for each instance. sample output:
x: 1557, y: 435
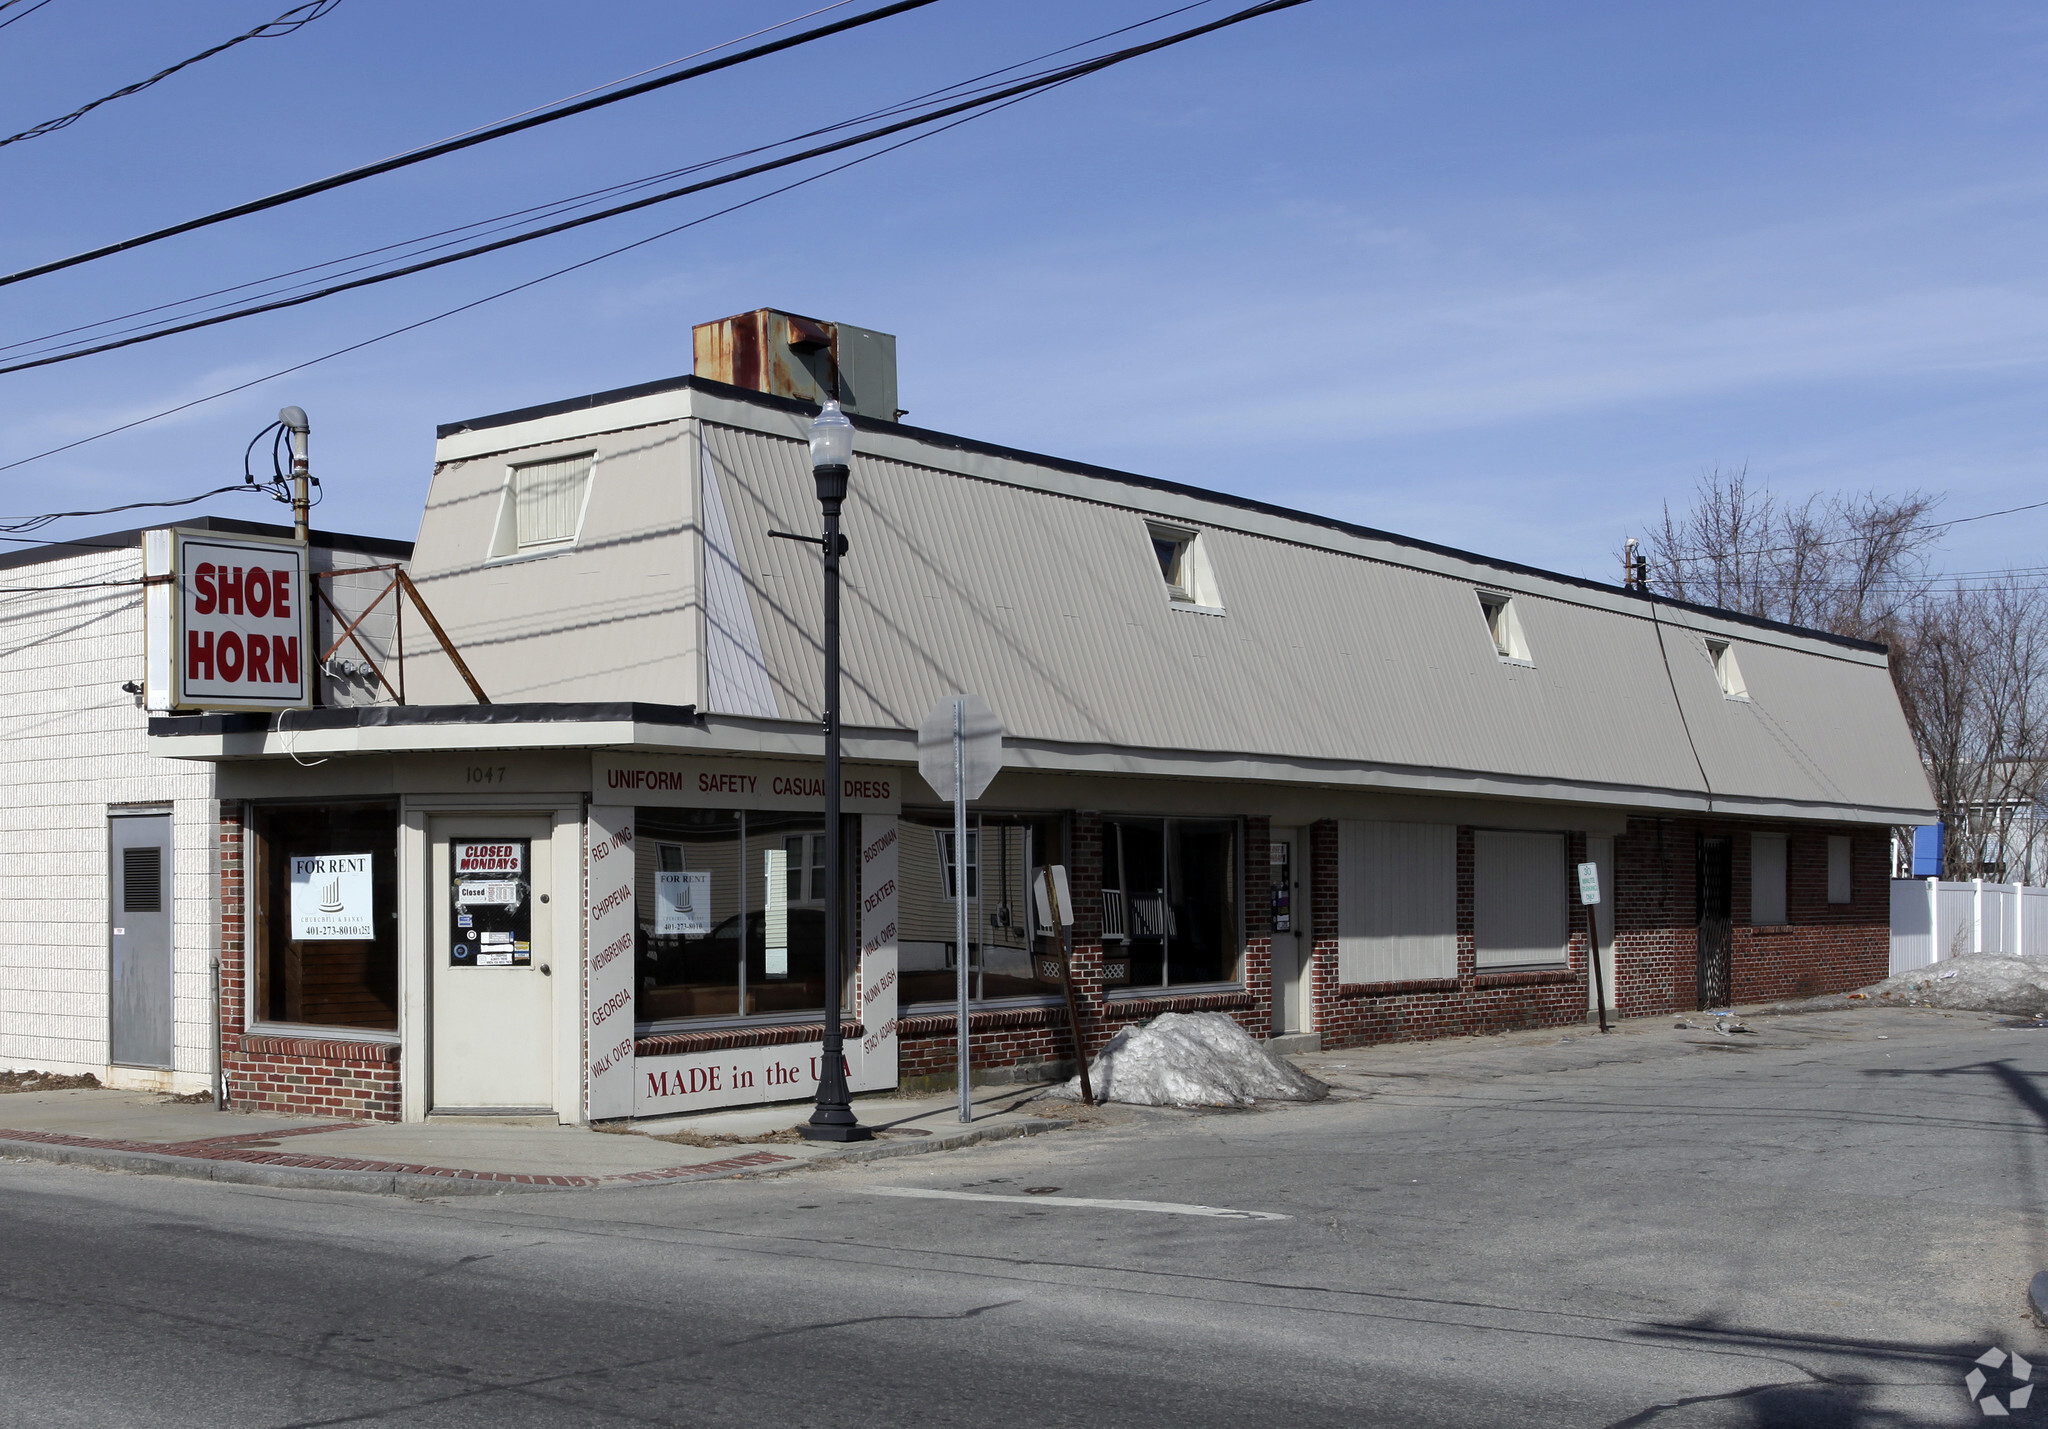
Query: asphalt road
x: 1820, y: 1226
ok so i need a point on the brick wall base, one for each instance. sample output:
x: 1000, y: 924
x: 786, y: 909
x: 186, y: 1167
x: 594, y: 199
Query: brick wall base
x: 310, y: 1077
x: 1824, y: 948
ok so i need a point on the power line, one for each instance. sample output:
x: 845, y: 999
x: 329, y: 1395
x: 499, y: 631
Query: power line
x: 1736, y: 556
x: 62, y: 589
x: 290, y: 22
x: 466, y: 141
x: 37, y: 523
x: 479, y: 302
x: 1271, y: 7
x: 23, y: 15
x: 564, y: 205
x: 996, y: 98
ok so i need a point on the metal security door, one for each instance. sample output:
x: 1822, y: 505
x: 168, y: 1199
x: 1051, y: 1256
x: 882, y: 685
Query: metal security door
x: 1716, y: 936
x: 139, y: 904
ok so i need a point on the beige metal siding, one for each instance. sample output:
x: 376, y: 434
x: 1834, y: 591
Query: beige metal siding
x: 1397, y: 901
x: 1518, y: 898
x: 1053, y: 609
x: 612, y: 617
x: 1039, y: 590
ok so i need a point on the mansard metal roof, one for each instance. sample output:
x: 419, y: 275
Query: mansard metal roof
x: 1338, y: 655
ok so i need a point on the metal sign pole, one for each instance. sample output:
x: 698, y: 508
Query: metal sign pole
x: 1589, y: 898
x: 962, y: 1054
x: 1063, y: 938
x: 1599, y: 982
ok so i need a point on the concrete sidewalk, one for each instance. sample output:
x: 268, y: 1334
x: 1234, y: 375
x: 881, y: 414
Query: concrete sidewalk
x: 147, y: 1133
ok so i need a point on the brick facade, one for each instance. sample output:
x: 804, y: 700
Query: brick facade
x: 302, y: 1076
x: 1040, y: 1039
x: 1824, y: 948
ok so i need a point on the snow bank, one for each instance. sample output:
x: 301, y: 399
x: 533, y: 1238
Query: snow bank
x: 1972, y: 982
x: 1193, y: 1059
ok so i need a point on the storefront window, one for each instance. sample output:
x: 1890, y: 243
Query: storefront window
x: 1170, y: 912
x: 326, y: 933
x: 732, y: 919
x: 1004, y: 854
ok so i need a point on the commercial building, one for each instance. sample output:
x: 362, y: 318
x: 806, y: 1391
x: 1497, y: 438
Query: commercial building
x: 1329, y: 780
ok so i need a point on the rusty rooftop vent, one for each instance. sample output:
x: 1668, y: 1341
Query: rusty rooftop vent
x: 790, y: 356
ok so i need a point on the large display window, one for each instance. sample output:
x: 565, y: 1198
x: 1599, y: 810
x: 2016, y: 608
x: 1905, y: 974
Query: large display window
x: 732, y: 913
x: 325, y: 928
x: 1172, y: 910
x: 1004, y: 855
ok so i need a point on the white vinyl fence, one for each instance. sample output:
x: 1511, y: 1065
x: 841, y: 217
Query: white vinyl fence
x: 1932, y: 920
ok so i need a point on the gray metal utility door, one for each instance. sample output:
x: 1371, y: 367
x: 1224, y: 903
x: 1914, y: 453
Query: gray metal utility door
x: 139, y: 903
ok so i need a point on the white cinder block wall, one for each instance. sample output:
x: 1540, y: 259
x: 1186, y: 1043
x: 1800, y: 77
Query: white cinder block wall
x: 71, y: 751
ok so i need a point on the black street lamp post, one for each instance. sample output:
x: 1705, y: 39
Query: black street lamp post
x: 831, y: 458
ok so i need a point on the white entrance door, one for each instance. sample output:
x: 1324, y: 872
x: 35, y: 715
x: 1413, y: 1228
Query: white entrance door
x: 491, y: 966
x: 1291, y: 943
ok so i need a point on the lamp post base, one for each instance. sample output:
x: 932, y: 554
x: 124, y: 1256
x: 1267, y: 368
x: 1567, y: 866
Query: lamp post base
x: 812, y: 1132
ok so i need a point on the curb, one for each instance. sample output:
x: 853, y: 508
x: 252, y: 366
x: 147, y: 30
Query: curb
x: 403, y: 1183
x: 886, y: 1150
x: 2037, y: 1297
x: 244, y: 1173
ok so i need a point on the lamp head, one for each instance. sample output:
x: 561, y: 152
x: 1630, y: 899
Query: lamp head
x: 831, y: 437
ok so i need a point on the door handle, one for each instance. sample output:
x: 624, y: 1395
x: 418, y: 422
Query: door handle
x: 546, y: 971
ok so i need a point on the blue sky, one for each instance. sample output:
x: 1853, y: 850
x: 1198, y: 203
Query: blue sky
x: 1498, y: 275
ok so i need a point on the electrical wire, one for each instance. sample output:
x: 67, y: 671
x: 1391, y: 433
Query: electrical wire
x: 23, y: 15
x: 1273, y: 6
x: 465, y: 307
x: 568, y: 204
x: 61, y: 589
x: 36, y: 523
x: 285, y: 24
x: 1849, y: 540
x: 1679, y: 704
x: 997, y: 98
x: 651, y: 69
x: 470, y: 140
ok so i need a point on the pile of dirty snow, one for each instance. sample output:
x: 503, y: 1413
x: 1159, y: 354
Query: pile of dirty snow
x: 1193, y: 1059
x: 1970, y: 982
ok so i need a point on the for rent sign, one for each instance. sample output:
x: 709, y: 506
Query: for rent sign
x: 232, y: 630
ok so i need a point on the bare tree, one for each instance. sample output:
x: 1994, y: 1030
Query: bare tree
x: 1848, y: 564
x: 1971, y: 668
x: 1970, y: 664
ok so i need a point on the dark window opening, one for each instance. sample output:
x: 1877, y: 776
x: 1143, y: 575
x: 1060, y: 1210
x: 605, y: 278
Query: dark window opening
x: 1170, y: 896
x: 732, y: 912
x: 304, y: 973
x: 1005, y: 855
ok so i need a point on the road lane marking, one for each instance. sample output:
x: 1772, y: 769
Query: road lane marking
x: 1170, y: 1208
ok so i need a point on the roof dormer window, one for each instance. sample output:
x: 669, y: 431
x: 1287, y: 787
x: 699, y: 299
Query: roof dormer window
x: 1503, y: 626
x: 1184, y: 567
x: 1172, y: 551
x: 543, y: 506
x: 1726, y: 670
